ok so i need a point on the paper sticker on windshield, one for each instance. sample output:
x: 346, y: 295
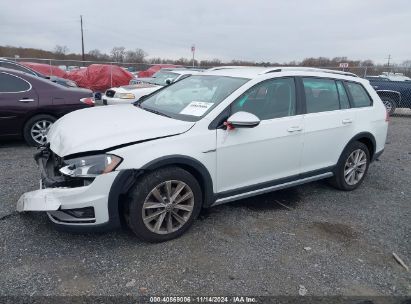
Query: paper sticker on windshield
x: 196, y: 108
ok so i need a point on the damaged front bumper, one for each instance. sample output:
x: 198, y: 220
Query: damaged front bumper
x: 68, y: 201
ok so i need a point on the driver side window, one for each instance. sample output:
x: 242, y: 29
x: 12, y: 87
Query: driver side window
x: 269, y: 99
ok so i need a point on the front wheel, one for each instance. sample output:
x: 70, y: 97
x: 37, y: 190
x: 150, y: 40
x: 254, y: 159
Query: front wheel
x: 36, y: 129
x: 352, y: 167
x: 163, y: 204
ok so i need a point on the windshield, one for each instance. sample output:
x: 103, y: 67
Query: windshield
x: 160, y: 77
x: 192, y: 98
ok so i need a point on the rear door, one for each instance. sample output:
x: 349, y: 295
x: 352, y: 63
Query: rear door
x: 17, y: 98
x: 329, y: 123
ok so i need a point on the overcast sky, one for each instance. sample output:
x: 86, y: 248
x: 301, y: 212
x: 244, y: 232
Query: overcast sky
x: 259, y: 30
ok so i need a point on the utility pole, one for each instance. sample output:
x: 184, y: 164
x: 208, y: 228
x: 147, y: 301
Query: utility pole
x: 389, y: 58
x: 193, y: 50
x: 82, y: 39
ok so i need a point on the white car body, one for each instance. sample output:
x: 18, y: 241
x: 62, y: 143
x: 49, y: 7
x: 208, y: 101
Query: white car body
x: 134, y: 92
x: 231, y: 164
x: 395, y: 76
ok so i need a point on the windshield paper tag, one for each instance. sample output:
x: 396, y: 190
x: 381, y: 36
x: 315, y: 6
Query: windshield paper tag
x: 196, y: 108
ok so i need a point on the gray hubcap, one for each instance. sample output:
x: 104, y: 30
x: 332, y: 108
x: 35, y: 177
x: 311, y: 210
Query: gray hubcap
x: 355, y: 166
x: 168, y: 207
x: 40, y: 130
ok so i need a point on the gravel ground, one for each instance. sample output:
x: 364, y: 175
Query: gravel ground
x: 330, y: 242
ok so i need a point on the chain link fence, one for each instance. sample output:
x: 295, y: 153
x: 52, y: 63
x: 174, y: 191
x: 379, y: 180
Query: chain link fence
x: 393, y: 84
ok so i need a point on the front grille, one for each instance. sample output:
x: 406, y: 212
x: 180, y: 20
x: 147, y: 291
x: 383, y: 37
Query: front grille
x: 110, y: 93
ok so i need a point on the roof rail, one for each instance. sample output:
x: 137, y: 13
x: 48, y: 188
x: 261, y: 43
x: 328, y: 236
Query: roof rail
x: 283, y: 69
x: 227, y: 67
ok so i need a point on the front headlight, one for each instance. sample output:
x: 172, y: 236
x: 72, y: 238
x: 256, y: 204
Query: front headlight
x: 125, y: 95
x: 90, y: 166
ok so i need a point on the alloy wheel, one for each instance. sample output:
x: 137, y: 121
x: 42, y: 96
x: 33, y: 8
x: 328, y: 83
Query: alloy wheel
x: 388, y: 105
x: 40, y: 130
x: 168, y: 207
x: 355, y: 167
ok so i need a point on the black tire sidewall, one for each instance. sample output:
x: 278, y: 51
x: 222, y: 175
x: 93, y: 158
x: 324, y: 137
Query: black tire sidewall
x: 27, y: 127
x: 340, y: 180
x: 143, y: 187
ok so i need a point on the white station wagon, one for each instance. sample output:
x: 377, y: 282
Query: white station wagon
x: 208, y: 139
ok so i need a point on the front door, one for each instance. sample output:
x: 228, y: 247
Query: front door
x: 252, y: 158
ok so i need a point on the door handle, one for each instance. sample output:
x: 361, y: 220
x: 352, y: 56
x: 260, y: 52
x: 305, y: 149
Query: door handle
x: 347, y: 121
x: 25, y: 100
x: 294, y: 129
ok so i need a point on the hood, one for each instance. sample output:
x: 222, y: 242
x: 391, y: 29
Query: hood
x: 137, y: 87
x: 101, y: 128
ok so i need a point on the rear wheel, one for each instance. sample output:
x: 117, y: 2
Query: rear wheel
x: 164, y: 204
x: 389, y: 104
x: 36, y: 129
x: 352, y: 167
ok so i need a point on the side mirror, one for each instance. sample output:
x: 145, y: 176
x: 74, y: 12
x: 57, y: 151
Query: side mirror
x: 169, y: 81
x: 243, y: 120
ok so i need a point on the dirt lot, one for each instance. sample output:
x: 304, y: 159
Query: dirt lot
x: 329, y: 242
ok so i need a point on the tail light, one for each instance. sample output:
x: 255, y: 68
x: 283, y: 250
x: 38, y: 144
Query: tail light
x: 88, y: 101
x: 387, y: 116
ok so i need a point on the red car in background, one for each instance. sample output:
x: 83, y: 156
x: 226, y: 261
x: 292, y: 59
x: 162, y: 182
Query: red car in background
x: 29, y: 105
x: 100, y: 77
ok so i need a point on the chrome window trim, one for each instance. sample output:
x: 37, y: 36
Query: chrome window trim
x: 29, y: 89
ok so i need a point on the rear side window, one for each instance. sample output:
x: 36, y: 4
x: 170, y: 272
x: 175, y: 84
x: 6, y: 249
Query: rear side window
x: 360, y: 98
x: 344, y: 103
x: 12, y: 84
x: 321, y: 95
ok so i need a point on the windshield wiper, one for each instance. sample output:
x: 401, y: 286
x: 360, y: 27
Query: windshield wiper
x: 155, y: 111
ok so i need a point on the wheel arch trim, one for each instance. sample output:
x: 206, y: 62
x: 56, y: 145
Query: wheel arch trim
x: 186, y: 162
x: 368, y: 136
x: 383, y: 93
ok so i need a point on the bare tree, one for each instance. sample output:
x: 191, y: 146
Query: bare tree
x: 95, y: 53
x: 117, y: 53
x: 136, y: 56
x: 406, y: 63
x: 98, y: 56
x: 60, y: 51
x: 367, y: 63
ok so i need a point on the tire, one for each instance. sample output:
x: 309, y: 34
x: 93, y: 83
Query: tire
x: 347, y: 159
x: 389, y: 104
x: 38, y: 124
x: 143, y: 204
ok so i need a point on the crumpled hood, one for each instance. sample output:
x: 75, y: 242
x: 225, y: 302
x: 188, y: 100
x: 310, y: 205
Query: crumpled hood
x: 101, y: 128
